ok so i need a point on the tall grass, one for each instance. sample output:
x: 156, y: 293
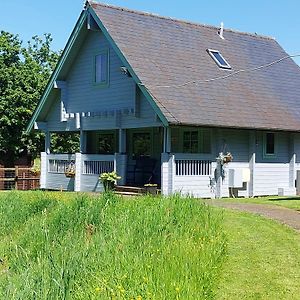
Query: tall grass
x: 67, y: 246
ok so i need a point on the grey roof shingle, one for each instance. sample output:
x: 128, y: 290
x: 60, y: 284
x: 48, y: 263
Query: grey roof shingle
x: 167, y: 52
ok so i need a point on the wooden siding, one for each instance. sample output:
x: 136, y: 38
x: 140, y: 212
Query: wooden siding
x: 234, y: 141
x: 57, y: 181
x: 281, y: 148
x: 269, y: 177
x: 84, y: 96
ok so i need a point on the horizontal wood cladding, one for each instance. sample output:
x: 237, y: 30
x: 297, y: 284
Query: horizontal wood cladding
x: 114, y: 105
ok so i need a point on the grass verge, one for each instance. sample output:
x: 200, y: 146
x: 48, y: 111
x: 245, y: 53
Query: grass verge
x: 288, y: 202
x: 263, y: 259
x: 67, y: 246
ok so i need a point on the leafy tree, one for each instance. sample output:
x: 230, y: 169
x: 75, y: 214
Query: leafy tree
x: 25, y: 71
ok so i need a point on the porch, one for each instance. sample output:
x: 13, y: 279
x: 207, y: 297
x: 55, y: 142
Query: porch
x: 177, y: 160
x: 184, y: 173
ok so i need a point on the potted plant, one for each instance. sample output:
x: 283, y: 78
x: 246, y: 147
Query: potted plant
x: 224, y: 158
x: 36, y: 168
x: 70, y: 170
x: 109, y: 180
x: 150, y: 188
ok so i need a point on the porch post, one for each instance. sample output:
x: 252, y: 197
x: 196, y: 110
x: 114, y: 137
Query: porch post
x: 83, y: 139
x: 78, y: 171
x: 218, y: 177
x: 252, y: 153
x: 292, y: 164
x: 167, y: 162
x: 122, y: 141
x: 167, y: 140
x: 44, y: 170
x: 47, y: 142
x: 121, y: 157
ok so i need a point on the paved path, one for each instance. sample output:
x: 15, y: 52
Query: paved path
x: 284, y: 215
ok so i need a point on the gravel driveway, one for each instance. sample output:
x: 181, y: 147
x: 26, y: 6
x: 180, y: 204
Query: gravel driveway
x: 284, y: 215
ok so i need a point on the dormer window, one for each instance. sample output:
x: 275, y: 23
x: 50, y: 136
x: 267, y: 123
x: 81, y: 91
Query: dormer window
x: 219, y: 59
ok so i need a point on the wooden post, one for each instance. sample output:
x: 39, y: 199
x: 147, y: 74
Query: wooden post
x: 292, y: 164
x: 83, y: 138
x: 167, y: 140
x: 47, y: 142
x: 122, y: 141
x: 16, y: 177
x: 252, y: 154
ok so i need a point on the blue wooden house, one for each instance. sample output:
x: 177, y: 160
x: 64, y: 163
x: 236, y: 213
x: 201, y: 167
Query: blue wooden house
x: 157, y: 100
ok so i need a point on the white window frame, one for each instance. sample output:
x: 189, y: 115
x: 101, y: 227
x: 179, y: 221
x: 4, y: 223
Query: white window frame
x: 265, y: 154
x: 104, y: 82
x: 211, y: 51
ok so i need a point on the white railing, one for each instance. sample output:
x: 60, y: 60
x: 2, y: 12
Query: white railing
x: 97, y: 164
x: 97, y: 167
x: 185, y: 167
x: 60, y: 163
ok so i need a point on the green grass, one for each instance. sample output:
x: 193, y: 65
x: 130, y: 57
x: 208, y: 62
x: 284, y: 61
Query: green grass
x: 263, y: 259
x: 78, y: 246
x: 67, y: 246
x: 288, y: 202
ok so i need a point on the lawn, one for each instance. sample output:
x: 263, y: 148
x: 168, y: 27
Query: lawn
x: 263, y: 259
x: 79, y: 246
x: 68, y: 246
x: 288, y: 202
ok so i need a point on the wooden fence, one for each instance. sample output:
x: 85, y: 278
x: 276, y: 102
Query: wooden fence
x: 19, y: 178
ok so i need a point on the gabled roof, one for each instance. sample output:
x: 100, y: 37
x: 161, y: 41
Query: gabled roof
x: 168, y: 59
x: 167, y: 54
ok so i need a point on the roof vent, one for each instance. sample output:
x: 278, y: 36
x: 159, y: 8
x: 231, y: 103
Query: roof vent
x: 221, y: 30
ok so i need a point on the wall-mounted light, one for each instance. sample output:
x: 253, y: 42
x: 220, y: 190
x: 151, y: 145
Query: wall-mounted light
x: 125, y: 71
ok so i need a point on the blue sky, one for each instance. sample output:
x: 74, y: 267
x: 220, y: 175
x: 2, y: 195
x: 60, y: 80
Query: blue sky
x: 276, y: 18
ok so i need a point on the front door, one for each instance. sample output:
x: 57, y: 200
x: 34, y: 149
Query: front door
x: 145, y: 146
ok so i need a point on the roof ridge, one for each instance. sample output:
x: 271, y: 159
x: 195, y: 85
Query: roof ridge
x: 93, y: 2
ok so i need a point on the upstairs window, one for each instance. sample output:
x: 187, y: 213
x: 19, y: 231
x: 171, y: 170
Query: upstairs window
x: 219, y: 59
x: 269, y: 144
x: 101, y: 68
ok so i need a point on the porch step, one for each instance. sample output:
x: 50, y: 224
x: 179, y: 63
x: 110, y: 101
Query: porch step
x: 128, y: 194
x: 132, y: 190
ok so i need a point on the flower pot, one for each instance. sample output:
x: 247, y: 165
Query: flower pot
x: 152, y: 190
x: 70, y: 175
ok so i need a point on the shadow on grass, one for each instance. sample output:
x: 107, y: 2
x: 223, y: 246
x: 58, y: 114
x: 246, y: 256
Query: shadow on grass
x: 284, y: 198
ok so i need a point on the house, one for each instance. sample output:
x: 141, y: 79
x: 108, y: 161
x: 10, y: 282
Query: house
x: 157, y: 100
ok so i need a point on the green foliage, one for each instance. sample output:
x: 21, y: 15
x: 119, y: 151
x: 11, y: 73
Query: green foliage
x: 84, y: 247
x: 36, y: 168
x: 23, y: 77
x: 68, y: 142
x: 109, y: 179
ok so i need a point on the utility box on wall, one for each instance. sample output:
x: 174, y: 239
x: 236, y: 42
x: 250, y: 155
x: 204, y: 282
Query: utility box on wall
x: 236, y: 177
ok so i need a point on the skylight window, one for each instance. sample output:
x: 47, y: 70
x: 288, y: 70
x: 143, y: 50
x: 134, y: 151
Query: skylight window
x: 219, y: 59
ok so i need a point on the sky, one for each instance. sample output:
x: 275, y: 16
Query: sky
x: 276, y: 18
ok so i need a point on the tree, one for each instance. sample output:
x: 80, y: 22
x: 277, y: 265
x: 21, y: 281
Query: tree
x: 23, y: 77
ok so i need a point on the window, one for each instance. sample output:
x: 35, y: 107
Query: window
x: 196, y: 141
x: 190, y: 141
x: 101, y: 68
x: 269, y: 144
x: 219, y: 59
